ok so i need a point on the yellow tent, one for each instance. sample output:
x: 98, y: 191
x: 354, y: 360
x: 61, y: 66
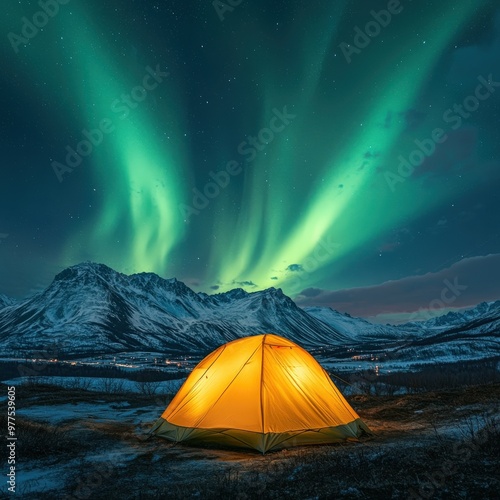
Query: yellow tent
x: 263, y: 392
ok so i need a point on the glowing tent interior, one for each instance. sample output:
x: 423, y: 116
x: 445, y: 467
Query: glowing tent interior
x: 263, y: 392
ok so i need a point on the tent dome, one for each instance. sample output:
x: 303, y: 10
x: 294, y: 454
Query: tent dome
x: 263, y: 392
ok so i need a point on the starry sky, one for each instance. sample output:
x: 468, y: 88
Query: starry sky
x: 347, y: 152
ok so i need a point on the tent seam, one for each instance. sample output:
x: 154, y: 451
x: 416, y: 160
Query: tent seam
x: 185, y: 400
x: 224, y: 391
x: 262, y: 383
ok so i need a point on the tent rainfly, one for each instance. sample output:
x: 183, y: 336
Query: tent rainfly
x: 263, y: 392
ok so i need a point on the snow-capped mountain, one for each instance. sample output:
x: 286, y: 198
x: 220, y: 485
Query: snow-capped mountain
x: 360, y: 330
x: 470, y: 334
x: 91, y: 308
x: 483, y: 311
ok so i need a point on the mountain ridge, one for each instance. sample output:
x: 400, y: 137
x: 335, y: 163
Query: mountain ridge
x: 101, y: 310
x: 93, y: 309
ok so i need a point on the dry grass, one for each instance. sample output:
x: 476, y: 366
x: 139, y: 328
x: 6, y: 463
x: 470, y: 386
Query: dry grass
x: 412, y: 455
x: 47, y: 394
x: 37, y: 440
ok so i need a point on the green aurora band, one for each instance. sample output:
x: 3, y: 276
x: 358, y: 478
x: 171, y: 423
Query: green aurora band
x: 138, y: 222
x: 143, y: 177
x: 349, y: 216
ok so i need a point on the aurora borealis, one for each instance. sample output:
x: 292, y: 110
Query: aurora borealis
x: 250, y: 151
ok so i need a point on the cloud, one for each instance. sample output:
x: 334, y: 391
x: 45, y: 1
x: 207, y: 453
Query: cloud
x: 311, y: 292
x: 192, y: 282
x: 245, y: 283
x: 480, y: 275
x: 274, y: 277
x: 388, y: 120
x: 215, y: 287
x: 413, y: 118
x: 294, y: 268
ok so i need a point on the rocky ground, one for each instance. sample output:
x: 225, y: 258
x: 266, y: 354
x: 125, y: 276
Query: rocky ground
x: 73, y: 443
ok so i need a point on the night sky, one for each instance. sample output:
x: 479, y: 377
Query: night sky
x: 256, y: 145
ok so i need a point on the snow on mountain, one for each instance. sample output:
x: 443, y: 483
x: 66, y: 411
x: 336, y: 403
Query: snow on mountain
x: 475, y: 330
x: 482, y: 311
x: 6, y: 301
x: 469, y: 334
x: 92, y: 308
x: 360, y: 330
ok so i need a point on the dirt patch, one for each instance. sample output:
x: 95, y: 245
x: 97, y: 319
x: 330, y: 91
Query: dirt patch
x: 441, y: 444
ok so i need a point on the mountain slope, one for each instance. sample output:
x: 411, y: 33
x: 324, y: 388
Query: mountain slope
x: 6, y: 301
x: 360, y: 330
x: 91, y: 308
x: 469, y: 334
